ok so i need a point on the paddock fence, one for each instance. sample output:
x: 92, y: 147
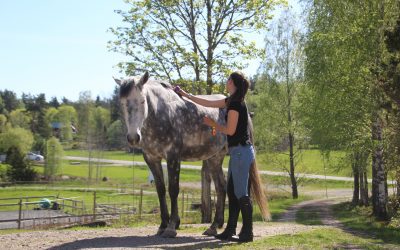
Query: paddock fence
x: 34, y: 212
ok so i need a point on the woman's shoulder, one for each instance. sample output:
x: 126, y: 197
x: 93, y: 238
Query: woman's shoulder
x: 237, y: 105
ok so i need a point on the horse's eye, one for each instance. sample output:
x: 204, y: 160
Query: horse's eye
x: 142, y: 102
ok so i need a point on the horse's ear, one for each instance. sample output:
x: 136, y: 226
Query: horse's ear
x: 143, y: 79
x: 118, y: 81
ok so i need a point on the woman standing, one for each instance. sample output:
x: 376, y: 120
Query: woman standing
x: 242, y: 171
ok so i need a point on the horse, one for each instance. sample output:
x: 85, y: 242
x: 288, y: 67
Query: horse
x: 166, y: 126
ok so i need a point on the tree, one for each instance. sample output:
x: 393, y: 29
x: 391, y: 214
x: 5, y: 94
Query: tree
x: 114, y: 104
x: 2, y: 106
x: 344, y: 47
x: 19, y: 168
x: 390, y: 83
x: 283, y: 75
x: 54, y: 102
x: 19, y: 118
x: 3, y: 123
x: 336, y: 72
x: 10, y: 100
x: 85, y: 107
x: 116, y: 135
x: 189, y: 39
x: 67, y: 115
x: 101, y: 118
x: 19, y: 138
x: 65, y: 101
x: 54, y: 154
x: 36, y: 107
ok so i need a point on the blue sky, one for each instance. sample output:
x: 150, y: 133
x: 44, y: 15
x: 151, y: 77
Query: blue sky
x: 59, y: 47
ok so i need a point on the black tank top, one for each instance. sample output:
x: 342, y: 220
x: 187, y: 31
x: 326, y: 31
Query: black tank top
x: 241, y: 135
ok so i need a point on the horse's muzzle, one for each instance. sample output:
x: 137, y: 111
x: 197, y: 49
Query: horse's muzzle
x: 133, y: 140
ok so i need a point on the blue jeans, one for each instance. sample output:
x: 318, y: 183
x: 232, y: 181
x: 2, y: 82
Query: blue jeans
x: 241, y: 158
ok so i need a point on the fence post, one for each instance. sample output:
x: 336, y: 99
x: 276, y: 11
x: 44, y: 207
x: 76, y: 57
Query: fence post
x: 140, y: 202
x: 94, y: 206
x: 187, y: 202
x: 20, y: 213
x: 183, y: 203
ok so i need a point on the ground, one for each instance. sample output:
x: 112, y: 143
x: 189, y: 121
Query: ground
x: 129, y: 238
x: 189, y: 236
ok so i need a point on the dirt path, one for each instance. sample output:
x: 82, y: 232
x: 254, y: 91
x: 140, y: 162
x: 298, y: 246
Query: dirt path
x: 189, y: 237
x: 133, y: 238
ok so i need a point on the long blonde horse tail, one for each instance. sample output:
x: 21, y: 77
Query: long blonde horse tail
x: 256, y: 186
x: 258, y: 192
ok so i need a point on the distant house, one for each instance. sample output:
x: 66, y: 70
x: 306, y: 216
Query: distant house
x: 56, y: 128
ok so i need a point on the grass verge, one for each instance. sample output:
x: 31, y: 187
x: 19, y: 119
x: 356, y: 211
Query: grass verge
x: 360, y: 220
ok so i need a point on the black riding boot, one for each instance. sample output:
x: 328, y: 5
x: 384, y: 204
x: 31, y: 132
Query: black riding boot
x: 234, y: 210
x: 246, y: 234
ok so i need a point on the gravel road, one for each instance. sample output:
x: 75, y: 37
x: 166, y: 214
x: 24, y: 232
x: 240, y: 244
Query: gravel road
x: 133, y: 238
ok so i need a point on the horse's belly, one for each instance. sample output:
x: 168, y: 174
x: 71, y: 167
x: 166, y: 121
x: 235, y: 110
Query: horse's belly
x: 194, y: 149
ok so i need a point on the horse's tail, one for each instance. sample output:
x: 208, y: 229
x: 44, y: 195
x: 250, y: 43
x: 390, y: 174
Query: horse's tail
x: 257, y: 188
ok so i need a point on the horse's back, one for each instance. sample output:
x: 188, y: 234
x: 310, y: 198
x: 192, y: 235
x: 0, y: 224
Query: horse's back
x: 213, y: 97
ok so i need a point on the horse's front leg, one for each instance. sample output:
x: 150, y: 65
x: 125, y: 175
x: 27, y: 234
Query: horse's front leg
x: 174, y: 166
x: 156, y: 169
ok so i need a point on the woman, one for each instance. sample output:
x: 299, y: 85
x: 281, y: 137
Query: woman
x: 241, y: 154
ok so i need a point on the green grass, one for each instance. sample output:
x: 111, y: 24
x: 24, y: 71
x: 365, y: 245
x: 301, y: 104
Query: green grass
x: 361, y: 220
x: 306, y: 217
x: 278, y: 201
x: 324, y: 238
x: 122, y: 155
x: 116, y: 175
x: 311, y: 161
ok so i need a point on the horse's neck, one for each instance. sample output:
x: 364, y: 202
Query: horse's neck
x: 161, y: 100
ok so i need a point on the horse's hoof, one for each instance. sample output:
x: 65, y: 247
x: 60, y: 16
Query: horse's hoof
x: 210, y: 232
x: 169, y: 233
x: 160, y: 231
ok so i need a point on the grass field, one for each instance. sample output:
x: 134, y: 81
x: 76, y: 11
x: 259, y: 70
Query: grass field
x: 278, y: 201
x: 324, y: 238
x: 361, y: 219
x: 138, y: 175
x: 310, y: 161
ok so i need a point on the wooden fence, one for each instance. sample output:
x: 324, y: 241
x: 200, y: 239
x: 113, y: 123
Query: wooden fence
x: 75, y: 211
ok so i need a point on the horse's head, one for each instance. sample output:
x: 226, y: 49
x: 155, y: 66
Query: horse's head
x: 134, y: 106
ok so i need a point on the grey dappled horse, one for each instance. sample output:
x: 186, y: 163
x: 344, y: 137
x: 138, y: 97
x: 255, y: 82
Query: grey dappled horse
x: 168, y: 127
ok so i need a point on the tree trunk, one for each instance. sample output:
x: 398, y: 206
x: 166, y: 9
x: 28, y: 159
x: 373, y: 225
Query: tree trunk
x: 363, y: 188
x: 357, y: 187
x: 398, y: 184
x: 295, y: 193
x: 209, y: 61
x: 192, y: 30
x: 379, y: 197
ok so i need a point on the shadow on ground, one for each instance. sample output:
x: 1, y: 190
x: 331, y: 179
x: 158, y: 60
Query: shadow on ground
x: 184, y: 242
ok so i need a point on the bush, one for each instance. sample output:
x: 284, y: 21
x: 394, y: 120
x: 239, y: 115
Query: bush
x: 3, y: 173
x: 19, y: 168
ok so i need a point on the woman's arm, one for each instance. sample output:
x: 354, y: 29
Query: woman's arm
x: 207, y: 103
x: 204, y: 102
x: 231, y: 124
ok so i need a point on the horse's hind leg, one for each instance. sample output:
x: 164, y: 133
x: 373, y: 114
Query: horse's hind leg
x: 205, y: 193
x: 156, y: 170
x: 215, y: 168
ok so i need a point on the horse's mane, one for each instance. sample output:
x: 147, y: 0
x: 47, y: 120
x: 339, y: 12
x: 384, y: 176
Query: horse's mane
x: 127, y: 86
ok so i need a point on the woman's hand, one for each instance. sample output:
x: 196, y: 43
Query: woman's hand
x: 180, y: 91
x: 209, y: 122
